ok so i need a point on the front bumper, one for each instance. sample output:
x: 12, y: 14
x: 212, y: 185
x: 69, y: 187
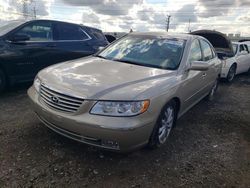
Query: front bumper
x: 121, y: 134
x: 224, y: 72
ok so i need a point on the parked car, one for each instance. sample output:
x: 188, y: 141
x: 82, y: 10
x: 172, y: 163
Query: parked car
x: 237, y: 64
x: 27, y: 47
x: 129, y: 94
x: 225, y: 51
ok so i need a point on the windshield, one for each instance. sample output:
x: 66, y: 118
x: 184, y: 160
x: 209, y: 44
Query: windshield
x: 8, y: 26
x: 235, y: 48
x: 151, y: 51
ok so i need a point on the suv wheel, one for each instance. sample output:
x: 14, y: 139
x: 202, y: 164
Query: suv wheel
x: 164, y: 125
x: 231, y: 73
x: 2, y: 81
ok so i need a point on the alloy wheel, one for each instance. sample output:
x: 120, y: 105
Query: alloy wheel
x: 231, y: 74
x: 167, y: 122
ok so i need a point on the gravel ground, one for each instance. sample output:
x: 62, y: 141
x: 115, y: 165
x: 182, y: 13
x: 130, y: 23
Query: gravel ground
x: 210, y: 147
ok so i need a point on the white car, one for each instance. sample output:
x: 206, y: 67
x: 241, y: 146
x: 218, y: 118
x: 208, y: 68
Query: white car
x: 237, y: 64
x: 235, y: 57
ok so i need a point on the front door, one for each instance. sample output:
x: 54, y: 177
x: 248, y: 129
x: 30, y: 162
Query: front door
x: 242, y: 59
x: 34, y: 54
x: 193, y: 81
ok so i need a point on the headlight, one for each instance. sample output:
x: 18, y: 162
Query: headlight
x: 37, y: 84
x: 120, y: 108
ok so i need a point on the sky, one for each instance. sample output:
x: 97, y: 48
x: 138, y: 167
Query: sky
x: 227, y: 16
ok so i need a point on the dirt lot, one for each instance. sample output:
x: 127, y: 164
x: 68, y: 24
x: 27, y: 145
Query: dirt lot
x: 210, y: 147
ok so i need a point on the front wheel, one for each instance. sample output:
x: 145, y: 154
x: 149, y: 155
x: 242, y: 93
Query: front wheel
x: 164, y: 125
x: 2, y: 81
x: 231, y: 73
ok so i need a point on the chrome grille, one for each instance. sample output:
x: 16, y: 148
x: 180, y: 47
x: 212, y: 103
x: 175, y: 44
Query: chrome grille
x: 59, y: 101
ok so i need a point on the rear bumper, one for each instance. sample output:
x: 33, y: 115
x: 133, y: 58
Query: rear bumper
x: 93, y: 130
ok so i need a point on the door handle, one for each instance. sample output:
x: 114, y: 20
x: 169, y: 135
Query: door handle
x: 204, y: 75
x: 51, y: 45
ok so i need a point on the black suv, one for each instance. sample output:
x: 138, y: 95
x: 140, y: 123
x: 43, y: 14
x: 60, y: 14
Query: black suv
x: 27, y: 47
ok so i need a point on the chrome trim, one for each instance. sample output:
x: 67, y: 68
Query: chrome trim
x: 65, y: 103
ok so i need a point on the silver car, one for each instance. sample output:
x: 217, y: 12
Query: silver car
x: 131, y: 93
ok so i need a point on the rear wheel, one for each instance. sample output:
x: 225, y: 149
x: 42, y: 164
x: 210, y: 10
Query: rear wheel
x: 164, y: 125
x: 2, y: 81
x: 231, y: 73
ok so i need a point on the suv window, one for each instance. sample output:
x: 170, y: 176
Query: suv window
x: 195, y: 52
x: 64, y: 31
x: 207, y: 51
x: 38, y: 31
x: 97, y: 34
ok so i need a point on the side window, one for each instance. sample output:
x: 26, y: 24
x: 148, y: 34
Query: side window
x: 246, y: 48
x: 38, y: 31
x: 64, y: 31
x: 207, y: 51
x: 98, y: 34
x: 195, y: 52
x: 241, y: 48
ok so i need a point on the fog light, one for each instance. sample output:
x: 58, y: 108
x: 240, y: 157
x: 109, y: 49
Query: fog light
x: 110, y: 144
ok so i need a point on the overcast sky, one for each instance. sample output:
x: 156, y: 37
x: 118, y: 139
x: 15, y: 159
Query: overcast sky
x: 228, y: 16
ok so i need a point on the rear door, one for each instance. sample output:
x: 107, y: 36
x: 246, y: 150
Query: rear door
x: 210, y: 58
x: 71, y: 41
x: 34, y: 54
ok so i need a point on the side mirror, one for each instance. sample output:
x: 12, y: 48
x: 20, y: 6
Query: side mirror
x: 19, y: 38
x: 243, y: 52
x: 199, y: 66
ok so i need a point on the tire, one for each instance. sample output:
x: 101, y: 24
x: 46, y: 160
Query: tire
x: 2, y: 81
x: 231, y: 74
x: 165, y: 123
x: 213, y: 90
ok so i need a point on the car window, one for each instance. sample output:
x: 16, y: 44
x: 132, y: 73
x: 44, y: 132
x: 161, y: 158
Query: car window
x: 64, y: 31
x: 97, y: 34
x: 207, y: 51
x: 246, y: 48
x: 241, y: 48
x: 195, y: 52
x: 150, y: 51
x: 38, y: 31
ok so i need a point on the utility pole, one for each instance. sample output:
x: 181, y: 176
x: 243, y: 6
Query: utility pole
x: 25, y: 9
x: 168, y: 22
x: 189, y: 25
x: 34, y: 8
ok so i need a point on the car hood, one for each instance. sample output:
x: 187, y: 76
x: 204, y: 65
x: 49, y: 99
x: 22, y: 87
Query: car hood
x: 96, y: 78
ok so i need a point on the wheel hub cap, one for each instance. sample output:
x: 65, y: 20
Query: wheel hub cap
x: 166, y: 124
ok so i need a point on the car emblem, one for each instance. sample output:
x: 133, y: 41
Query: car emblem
x: 55, y: 99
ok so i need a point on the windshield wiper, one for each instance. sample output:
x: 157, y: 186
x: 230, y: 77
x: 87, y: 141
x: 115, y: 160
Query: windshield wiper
x: 127, y: 61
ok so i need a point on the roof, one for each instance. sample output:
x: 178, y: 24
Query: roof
x: 164, y: 34
x: 31, y: 20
